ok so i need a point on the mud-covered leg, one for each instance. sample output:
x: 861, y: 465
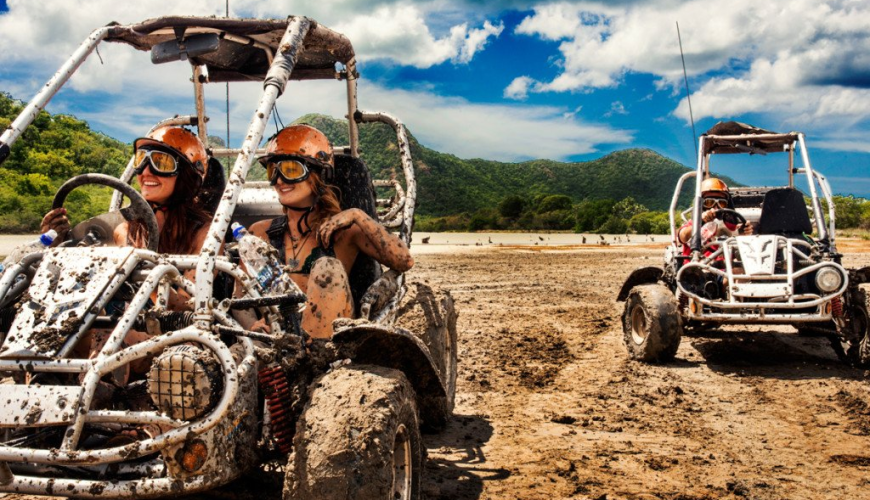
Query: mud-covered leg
x: 329, y: 297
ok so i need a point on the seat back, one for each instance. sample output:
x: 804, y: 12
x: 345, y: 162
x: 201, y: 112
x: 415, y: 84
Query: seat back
x: 784, y: 212
x: 353, y: 183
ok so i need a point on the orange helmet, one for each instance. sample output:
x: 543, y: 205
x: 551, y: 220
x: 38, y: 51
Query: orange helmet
x: 303, y: 141
x: 180, y: 140
x: 713, y: 184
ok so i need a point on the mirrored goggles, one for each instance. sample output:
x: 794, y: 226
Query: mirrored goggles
x: 290, y: 170
x: 715, y: 203
x: 162, y: 163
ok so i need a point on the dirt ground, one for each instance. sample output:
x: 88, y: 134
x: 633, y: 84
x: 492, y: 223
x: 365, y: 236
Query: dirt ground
x: 550, y: 407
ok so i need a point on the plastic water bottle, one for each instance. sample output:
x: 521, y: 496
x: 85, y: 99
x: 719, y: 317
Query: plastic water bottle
x: 261, y: 260
x: 44, y: 241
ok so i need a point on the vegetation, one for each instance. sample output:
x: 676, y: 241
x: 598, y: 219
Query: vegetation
x: 625, y: 191
x: 51, y: 150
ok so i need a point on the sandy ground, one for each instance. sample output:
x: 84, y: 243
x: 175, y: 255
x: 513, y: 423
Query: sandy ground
x: 550, y: 407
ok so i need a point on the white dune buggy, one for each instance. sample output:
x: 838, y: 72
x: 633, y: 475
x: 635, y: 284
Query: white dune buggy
x: 787, y: 272
x: 217, y: 399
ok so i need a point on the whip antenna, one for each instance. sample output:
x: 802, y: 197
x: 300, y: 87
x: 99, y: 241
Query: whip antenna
x: 688, y: 93
x: 228, y: 96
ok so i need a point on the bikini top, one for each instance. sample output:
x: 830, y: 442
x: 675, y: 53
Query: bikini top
x: 276, y: 238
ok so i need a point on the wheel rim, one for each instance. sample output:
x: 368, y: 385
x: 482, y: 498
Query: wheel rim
x: 402, y: 464
x: 638, y: 325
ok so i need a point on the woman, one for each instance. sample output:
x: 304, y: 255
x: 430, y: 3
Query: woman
x: 318, y: 241
x: 170, y: 164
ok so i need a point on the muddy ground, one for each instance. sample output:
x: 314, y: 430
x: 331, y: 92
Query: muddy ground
x: 550, y: 407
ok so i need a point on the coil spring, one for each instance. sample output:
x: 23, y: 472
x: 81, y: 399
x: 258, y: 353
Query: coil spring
x: 837, y: 307
x: 276, y: 389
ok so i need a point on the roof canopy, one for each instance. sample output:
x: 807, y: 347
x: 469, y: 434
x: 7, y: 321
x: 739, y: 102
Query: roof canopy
x: 736, y: 137
x: 241, y: 55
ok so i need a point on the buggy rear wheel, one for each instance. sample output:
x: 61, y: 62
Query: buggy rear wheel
x: 358, y: 438
x: 651, y: 324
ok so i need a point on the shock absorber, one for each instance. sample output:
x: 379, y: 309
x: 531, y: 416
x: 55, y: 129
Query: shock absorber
x: 837, y: 307
x: 276, y: 389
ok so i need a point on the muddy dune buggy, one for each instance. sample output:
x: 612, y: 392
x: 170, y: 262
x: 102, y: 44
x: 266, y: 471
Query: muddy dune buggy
x: 345, y: 415
x: 787, y: 272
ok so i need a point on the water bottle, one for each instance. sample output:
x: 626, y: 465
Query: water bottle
x: 44, y: 241
x: 261, y: 261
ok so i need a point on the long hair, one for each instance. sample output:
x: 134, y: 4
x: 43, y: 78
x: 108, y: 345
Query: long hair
x: 327, y: 203
x: 184, y: 217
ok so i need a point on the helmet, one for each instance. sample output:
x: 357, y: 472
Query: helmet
x: 303, y: 141
x: 713, y: 184
x: 182, y: 141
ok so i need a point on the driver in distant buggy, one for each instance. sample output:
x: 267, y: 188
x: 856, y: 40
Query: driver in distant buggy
x: 715, y: 197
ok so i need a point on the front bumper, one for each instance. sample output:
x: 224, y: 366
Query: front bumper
x: 759, y: 283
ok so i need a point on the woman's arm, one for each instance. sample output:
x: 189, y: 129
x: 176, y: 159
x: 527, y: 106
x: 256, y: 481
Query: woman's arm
x: 370, y: 237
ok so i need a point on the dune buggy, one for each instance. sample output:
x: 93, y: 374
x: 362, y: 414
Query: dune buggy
x: 787, y: 272
x: 219, y: 399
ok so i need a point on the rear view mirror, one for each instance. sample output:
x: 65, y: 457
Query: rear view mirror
x: 192, y: 46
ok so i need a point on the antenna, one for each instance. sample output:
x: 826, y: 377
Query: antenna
x: 688, y: 93
x: 228, y: 95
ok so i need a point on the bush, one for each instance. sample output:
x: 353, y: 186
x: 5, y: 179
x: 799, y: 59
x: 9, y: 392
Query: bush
x: 554, y: 202
x: 511, y: 207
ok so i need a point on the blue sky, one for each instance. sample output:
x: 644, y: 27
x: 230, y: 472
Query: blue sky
x: 509, y: 80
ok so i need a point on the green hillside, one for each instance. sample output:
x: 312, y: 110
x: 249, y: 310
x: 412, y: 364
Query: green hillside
x: 623, y: 191
x: 449, y: 185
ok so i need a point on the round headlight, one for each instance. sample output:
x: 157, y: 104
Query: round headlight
x: 828, y: 279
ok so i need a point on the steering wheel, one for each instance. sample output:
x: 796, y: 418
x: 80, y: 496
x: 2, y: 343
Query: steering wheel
x: 139, y: 209
x: 728, y: 215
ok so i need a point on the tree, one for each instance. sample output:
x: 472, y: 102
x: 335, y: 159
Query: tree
x: 555, y: 202
x: 511, y: 206
x: 627, y: 208
x: 591, y: 214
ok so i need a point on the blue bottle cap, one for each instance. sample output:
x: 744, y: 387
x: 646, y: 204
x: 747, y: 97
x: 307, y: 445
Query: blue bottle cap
x: 238, y: 230
x: 48, y: 238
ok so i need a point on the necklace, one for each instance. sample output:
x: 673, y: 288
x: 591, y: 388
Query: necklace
x: 293, y: 263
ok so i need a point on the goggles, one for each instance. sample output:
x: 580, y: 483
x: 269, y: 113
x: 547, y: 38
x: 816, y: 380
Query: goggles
x: 291, y: 170
x: 715, y: 203
x: 161, y: 163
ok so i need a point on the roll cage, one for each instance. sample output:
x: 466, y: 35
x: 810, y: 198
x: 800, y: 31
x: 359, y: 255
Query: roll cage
x: 736, y: 138
x: 273, y: 51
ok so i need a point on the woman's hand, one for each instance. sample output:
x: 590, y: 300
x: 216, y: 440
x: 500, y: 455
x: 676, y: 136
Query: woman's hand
x: 57, y: 220
x: 708, y: 215
x: 337, y: 222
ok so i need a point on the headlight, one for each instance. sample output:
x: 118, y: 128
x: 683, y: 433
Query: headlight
x: 185, y: 382
x: 828, y: 279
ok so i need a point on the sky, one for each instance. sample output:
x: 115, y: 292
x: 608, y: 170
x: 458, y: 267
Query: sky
x: 507, y: 80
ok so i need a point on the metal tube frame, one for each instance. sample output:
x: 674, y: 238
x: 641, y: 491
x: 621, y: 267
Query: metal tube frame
x: 276, y: 80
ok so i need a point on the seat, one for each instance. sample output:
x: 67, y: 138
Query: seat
x: 353, y: 183
x: 784, y: 213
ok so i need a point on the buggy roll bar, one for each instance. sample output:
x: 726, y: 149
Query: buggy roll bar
x: 825, y: 232
x: 276, y: 80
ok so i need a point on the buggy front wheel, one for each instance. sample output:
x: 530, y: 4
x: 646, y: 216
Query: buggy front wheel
x: 651, y: 324
x: 358, y: 438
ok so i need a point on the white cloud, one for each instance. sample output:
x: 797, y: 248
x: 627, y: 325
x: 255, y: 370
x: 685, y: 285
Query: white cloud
x: 519, y: 88
x: 616, y: 108
x: 799, y: 61
x: 400, y: 33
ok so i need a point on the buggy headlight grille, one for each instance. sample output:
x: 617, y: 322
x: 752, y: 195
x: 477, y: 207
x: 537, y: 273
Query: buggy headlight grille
x: 828, y: 279
x: 185, y: 382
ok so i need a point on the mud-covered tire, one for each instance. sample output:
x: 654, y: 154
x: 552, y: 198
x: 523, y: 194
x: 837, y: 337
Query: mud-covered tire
x: 855, y: 352
x: 429, y: 314
x: 358, y: 438
x: 651, y: 324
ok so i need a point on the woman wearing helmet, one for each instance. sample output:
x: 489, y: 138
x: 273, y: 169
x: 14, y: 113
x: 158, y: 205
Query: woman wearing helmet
x: 319, y: 241
x: 170, y: 164
x: 714, y: 196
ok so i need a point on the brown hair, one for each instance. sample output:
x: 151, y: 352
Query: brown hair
x: 184, y: 217
x: 327, y: 203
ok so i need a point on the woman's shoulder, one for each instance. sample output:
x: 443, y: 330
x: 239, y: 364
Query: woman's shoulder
x: 120, y: 233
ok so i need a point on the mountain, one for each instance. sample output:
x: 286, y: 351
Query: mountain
x: 449, y: 185
x: 57, y: 147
